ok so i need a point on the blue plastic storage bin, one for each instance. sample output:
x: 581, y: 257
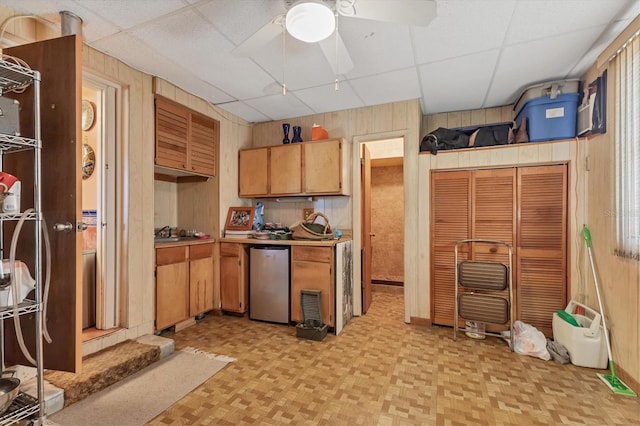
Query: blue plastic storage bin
x: 550, y: 119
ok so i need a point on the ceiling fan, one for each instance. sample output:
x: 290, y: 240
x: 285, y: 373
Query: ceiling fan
x: 313, y: 21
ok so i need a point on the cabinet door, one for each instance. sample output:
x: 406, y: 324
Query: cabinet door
x: 450, y: 222
x: 311, y: 274
x: 172, y: 124
x: 172, y: 294
x: 542, y: 244
x: 200, y: 285
x: 234, y: 280
x: 203, y: 140
x: 285, y: 169
x: 322, y: 167
x: 253, y: 175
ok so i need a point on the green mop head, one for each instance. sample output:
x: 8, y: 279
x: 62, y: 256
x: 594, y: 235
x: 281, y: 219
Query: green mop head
x: 615, y: 384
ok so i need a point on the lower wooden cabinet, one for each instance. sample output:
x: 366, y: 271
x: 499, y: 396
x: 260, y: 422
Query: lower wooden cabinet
x: 184, y: 283
x: 312, y: 268
x: 234, y: 277
x: 172, y: 286
x: 200, y: 279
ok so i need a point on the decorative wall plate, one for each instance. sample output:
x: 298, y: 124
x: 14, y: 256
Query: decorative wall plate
x: 88, y: 161
x: 88, y: 114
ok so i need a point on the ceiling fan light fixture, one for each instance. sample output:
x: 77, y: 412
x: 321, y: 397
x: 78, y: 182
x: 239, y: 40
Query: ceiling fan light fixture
x: 310, y: 21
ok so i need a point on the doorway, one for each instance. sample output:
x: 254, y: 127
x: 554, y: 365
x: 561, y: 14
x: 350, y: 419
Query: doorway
x: 100, y: 100
x: 379, y: 215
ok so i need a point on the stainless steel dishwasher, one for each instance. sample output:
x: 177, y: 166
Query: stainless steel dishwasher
x: 269, y: 283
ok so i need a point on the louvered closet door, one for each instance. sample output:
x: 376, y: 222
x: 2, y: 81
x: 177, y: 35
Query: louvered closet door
x: 493, y: 212
x: 450, y: 222
x: 542, y: 244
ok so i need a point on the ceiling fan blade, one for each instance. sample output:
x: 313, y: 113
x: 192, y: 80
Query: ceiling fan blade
x: 264, y: 35
x: 344, y: 63
x: 412, y: 12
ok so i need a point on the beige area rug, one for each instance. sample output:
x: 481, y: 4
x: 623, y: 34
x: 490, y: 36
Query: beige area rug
x: 145, y: 394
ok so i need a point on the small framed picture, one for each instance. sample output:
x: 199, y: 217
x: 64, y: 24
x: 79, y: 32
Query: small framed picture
x: 240, y: 218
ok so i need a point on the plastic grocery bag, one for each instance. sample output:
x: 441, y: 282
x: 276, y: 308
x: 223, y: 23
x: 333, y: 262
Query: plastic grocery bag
x: 530, y: 341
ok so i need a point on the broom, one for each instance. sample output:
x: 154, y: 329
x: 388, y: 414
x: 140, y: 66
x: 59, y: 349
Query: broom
x: 611, y: 380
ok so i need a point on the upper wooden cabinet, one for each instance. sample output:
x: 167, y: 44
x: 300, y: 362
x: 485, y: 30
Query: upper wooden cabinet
x: 308, y: 168
x: 185, y: 139
x: 285, y: 164
x: 253, y: 175
x: 323, y: 167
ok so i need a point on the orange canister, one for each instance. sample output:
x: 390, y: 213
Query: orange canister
x: 318, y: 133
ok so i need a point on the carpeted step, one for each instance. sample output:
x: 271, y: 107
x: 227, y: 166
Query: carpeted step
x: 103, y: 369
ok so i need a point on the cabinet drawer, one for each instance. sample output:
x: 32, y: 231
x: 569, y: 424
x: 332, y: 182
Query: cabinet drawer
x: 312, y: 254
x: 168, y: 255
x: 199, y: 251
x: 230, y: 249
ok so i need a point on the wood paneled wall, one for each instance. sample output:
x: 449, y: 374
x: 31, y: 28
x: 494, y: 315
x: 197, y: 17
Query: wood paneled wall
x: 397, y: 119
x: 619, y: 278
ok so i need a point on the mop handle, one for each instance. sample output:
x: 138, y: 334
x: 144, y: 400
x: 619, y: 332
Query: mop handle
x: 587, y: 238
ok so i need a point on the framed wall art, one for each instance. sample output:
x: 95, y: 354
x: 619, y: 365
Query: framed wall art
x: 240, y: 218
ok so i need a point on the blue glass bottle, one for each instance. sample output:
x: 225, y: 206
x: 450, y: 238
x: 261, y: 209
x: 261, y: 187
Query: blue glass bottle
x: 296, y: 134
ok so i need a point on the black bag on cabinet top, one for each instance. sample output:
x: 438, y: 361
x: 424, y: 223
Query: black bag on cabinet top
x: 500, y: 134
x: 442, y: 138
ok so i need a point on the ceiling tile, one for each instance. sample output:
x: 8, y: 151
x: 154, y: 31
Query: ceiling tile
x: 239, y: 19
x: 244, y: 111
x: 277, y: 107
x: 536, y: 19
x: 189, y: 39
x: 545, y: 60
x: 457, y: 84
x: 125, y: 14
x: 388, y: 87
x: 304, y: 64
x: 461, y: 28
x: 326, y: 98
x: 138, y: 55
x: 370, y: 41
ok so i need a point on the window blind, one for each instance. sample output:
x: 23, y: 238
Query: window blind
x: 627, y: 150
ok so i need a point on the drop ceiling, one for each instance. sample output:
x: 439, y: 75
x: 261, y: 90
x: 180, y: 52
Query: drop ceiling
x: 474, y: 54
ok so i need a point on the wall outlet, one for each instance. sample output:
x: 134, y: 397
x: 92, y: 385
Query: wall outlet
x: 306, y: 213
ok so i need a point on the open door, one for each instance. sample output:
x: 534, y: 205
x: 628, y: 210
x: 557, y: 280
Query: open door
x: 365, y: 186
x: 59, y: 62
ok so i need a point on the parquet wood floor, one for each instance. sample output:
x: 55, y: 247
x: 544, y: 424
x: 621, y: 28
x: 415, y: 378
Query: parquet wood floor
x: 381, y: 371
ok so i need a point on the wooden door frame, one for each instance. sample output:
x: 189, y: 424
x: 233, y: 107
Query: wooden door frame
x: 109, y: 312
x: 365, y: 233
x: 356, y: 218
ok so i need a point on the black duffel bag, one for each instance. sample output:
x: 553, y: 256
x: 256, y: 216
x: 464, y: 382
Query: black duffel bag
x: 442, y: 138
x: 500, y: 134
